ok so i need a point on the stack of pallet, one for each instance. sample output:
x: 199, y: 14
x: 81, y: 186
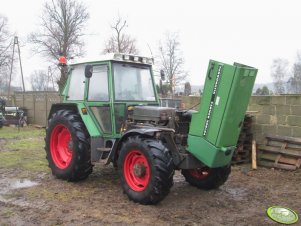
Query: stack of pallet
x: 280, y: 152
x: 244, y: 144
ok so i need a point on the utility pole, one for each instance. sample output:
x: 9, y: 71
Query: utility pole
x: 16, y: 38
x: 11, y: 69
x: 16, y: 42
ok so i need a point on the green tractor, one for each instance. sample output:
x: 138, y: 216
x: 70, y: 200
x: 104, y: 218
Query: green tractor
x: 111, y: 113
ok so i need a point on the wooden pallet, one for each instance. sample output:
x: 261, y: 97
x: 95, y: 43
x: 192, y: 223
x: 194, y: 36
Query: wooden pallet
x: 244, y: 143
x: 280, y: 152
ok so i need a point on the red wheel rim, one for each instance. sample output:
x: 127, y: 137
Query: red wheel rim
x: 60, y: 141
x: 200, y: 173
x: 136, y: 170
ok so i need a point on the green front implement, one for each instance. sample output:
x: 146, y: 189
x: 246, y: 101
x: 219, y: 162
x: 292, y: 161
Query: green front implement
x: 215, y: 128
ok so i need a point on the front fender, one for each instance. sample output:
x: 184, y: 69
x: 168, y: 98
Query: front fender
x: 150, y: 132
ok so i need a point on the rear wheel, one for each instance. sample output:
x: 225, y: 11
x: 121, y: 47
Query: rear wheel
x: 146, y: 170
x: 67, y: 146
x: 207, y: 178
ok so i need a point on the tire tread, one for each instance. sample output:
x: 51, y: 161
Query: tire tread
x: 82, y: 166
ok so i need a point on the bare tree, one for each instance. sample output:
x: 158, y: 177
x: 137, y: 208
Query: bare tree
x: 294, y: 82
x: 279, y: 72
x: 4, y: 40
x: 5, y: 54
x: 120, y: 42
x: 39, y: 80
x: 60, y: 32
x: 171, y: 60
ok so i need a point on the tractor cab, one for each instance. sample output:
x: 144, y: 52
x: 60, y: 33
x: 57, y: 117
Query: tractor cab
x: 104, y: 88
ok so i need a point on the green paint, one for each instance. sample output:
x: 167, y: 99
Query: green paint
x: 226, y: 95
x: 89, y: 121
x: 282, y: 215
x: 209, y: 154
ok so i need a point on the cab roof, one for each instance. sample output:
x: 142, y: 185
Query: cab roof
x: 121, y: 57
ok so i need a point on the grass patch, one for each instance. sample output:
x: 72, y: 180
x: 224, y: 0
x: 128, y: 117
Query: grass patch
x: 64, y: 192
x: 7, y: 212
x: 27, y: 159
x: 26, y: 144
x: 45, y: 194
x: 23, y: 132
x: 24, y: 149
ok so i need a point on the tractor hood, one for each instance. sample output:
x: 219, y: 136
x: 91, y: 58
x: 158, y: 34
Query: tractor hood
x: 153, y: 114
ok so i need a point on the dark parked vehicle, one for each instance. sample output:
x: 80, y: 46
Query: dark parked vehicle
x: 11, y: 115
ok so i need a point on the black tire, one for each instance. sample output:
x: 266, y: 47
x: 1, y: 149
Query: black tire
x: 207, y: 178
x: 155, y: 177
x: 78, y: 161
x: 22, y: 122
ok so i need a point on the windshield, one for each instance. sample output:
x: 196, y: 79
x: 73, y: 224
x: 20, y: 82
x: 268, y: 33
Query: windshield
x: 133, y: 82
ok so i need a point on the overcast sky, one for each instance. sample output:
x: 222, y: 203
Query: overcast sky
x: 252, y: 32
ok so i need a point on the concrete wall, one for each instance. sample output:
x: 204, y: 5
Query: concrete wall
x: 277, y: 115
x: 191, y: 102
x: 37, y: 105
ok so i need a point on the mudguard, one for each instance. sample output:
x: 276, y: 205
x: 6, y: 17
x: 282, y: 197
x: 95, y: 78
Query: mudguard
x: 133, y: 132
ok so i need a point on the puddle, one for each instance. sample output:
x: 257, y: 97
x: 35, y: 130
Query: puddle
x: 237, y: 193
x: 11, y: 184
x: 7, y: 185
x: 23, y: 184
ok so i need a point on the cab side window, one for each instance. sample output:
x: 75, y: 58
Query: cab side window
x: 98, y: 84
x: 77, y: 85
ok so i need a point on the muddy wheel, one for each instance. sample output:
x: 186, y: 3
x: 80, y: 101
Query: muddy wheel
x: 67, y: 146
x: 207, y: 178
x: 146, y: 170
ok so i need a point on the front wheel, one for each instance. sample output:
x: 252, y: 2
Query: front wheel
x: 207, y: 178
x: 67, y: 146
x: 146, y: 170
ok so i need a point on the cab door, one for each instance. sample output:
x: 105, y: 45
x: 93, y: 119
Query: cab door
x: 98, y: 98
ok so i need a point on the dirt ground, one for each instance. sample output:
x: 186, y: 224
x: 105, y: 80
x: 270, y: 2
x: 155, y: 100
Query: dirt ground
x: 30, y: 195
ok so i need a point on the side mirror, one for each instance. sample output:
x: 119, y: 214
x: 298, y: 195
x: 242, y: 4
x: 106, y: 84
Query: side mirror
x: 88, y: 71
x: 162, y: 74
